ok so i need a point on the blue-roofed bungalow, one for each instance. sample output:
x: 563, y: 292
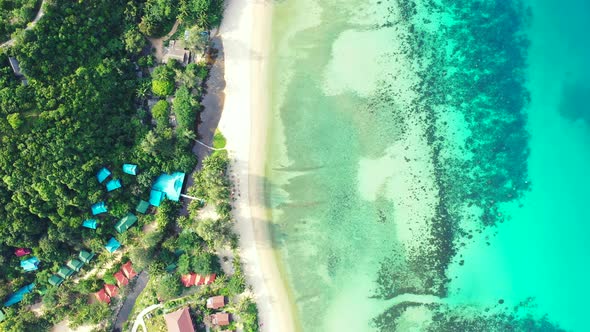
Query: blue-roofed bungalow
x: 99, y: 208
x: 17, y: 296
x: 55, y: 280
x: 112, y: 245
x: 90, y: 223
x: 168, y: 186
x: 103, y: 174
x: 126, y: 222
x: 30, y: 264
x: 85, y: 256
x: 114, y: 184
x: 156, y: 197
x: 142, y: 206
x: 75, y: 264
x: 65, y: 272
x: 130, y: 169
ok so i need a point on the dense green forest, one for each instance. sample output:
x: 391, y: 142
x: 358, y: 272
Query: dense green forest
x: 84, y: 107
x: 16, y: 14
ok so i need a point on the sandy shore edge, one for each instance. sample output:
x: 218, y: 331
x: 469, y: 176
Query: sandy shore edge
x: 246, y: 33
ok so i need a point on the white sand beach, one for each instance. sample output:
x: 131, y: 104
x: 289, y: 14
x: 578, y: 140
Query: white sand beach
x: 246, y: 33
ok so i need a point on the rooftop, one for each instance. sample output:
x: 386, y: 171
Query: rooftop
x: 179, y: 321
x: 216, y: 302
x: 220, y: 318
x: 126, y: 222
x: 142, y: 207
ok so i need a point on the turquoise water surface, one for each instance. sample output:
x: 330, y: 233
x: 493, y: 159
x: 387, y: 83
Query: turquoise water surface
x: 428, y: 166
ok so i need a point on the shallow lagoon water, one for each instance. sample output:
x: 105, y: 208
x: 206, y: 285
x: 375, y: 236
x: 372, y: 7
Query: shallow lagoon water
x: 381, y: 214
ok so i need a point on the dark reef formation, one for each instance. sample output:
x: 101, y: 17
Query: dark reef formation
x: 463, y: 319
x: 470, y: 63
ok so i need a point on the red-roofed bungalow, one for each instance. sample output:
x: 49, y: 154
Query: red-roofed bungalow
x: 121, y: 279
x: 210, y: 279
x: 188, y: 280
x: 200, y: 280
x: 127, y: 269
x: 220, y: 319
x: 20, y: 252
x: 102, y: 296
x: 111, y: 290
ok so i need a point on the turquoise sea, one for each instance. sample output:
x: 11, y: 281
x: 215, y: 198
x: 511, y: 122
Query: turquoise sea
x: 428, y: 163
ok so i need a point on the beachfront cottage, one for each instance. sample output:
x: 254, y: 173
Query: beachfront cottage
x: 30, y: 264
x: 75, y: 264
x: 20, y: 252
x: 216, y: 302
x: 64, y: 272
x: 142, y: 207
x: 220, y: 319
x: 102, y: 296
x: 102, y: 174
x: 99, y: 208
x: 90, y: 223
x: 113, y: 184
x: 128, y: 271
x: 55, y: 280
x: 85, y: 256
x: 121, y: 279
x: 112, y: 245
x: 111, y: 290
x: 179, y: 321
x: 176, y: 51
x: 126, y: 222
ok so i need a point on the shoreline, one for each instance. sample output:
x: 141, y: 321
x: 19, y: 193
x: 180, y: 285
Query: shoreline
x: 246, y: 33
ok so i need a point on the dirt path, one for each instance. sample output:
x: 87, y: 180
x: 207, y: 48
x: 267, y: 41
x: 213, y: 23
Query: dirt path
x: 158, y: 43
x: 40, y: 14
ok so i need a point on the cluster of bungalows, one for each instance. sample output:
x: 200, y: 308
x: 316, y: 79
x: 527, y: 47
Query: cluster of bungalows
x: 181, y: 321
x: 219, y: 318
x: 193, y: 279
x: 123, y: 276
x: 71, y: 267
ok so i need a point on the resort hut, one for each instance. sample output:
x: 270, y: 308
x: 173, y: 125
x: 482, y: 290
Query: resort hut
x: 99, y: 208
x: 55, y: 280
x: 103, y: 174
x: 90, y: 223
x: 121, y: 279
x: 111, y: 290
x: 188, y: 280
x: 30, y: 264
x: 179, y: 321
x: 210, y: 279
x: 112, y: 245
x: 85, y: 256
x: 167, y: 186
x: 128, y: 271
x: 216, y: 302
x: 126, y: 222
x: 17, y: 296
x: 220, y: 319
x: 20, y: 252
x: 113, y: 185
x: 65, y: 272
x: 176, y: 51
x: 75, y: 264
x: 2, y: 315
x: 130, y: 169
x: 102, y: 296
x: 142, y: 207
x: 199, y: 280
